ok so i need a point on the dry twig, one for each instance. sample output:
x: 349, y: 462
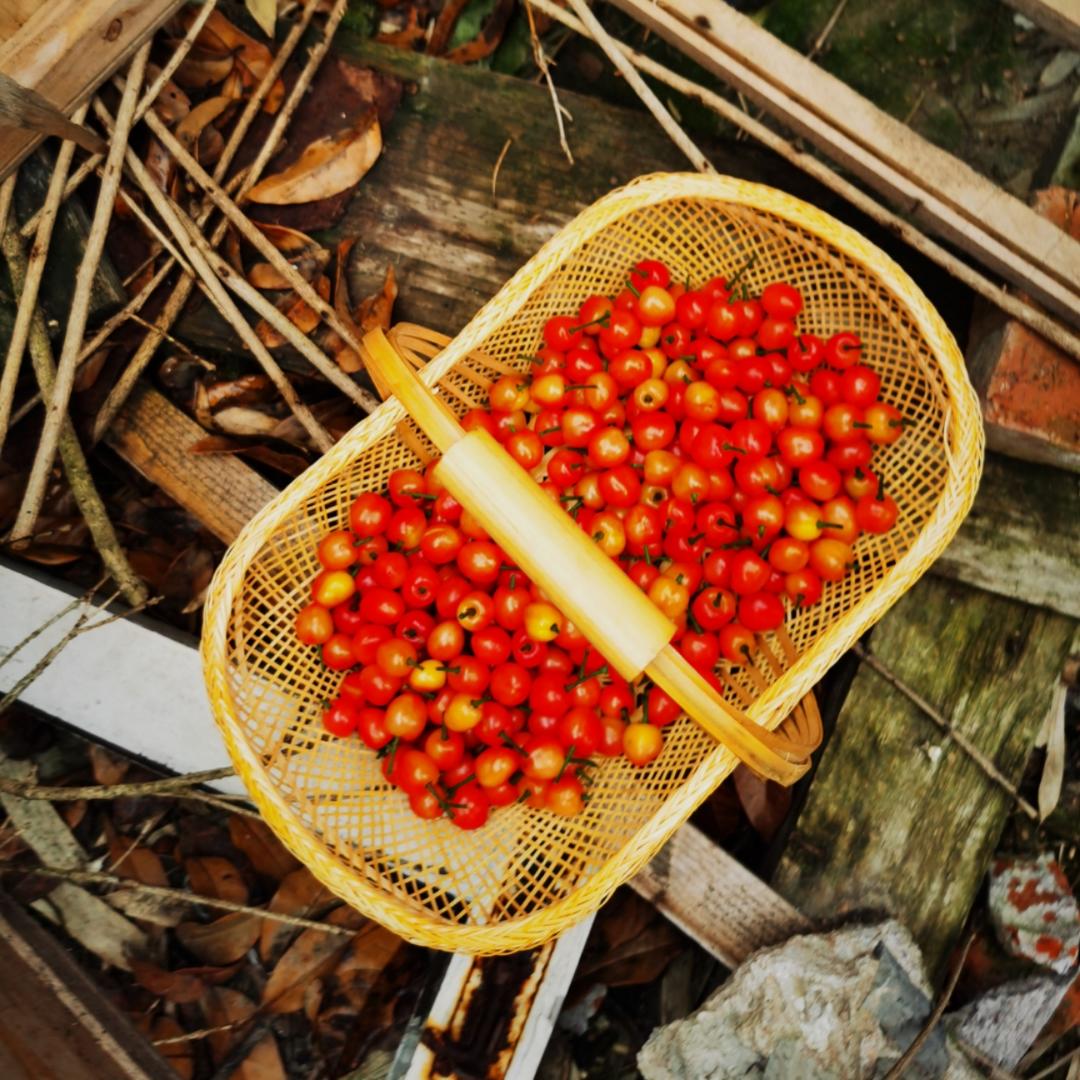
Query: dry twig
x: 71, y: 453
x: 625, y: 68
x: 498, y: 164
x: 82, y: 625
x: 543, y: 64
x: 162, y: 892
x: 182, y: 290
x: 170, y: 214
x: 909, y: 1055
x: 827, y: 29
x: 149, y: 97
x: 946, y: 727
x: 35, y: 269
x: 996, y: 294
x: 60, y: 394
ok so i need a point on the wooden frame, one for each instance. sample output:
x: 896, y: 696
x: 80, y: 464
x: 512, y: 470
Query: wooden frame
x: 65, y: 49
x: 930, y: 185
x: 1058, y: 17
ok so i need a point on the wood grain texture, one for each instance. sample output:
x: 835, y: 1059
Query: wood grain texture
x: 898, y: 818
x: 66, y: 49
x: 55, y: 1024
x: 1060, y: 17
x: 715, y: 900
x: 427, y: 205
x: 221, y: 491
x: 1022, y: 537
x: 938, y: 191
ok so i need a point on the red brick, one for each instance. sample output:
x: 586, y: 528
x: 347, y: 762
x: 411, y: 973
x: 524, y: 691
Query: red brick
x: 1030, y: 390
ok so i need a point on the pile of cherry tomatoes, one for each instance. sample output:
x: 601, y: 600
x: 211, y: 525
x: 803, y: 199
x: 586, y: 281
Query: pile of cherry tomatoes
x: 720, y: 455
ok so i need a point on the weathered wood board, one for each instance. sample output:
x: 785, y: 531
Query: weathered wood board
x: 155, y: 437
x: 1022, y: 537
x: 1060, y: 17
x: 427, y: 205
x: 898, y: 818
x: 55, y: 1023
x: 66, y: 49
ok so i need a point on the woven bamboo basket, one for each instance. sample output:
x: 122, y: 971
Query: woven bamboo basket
x: 528, y: 875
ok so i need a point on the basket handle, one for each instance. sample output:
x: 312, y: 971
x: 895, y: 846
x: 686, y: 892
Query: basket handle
x: 616, y: 616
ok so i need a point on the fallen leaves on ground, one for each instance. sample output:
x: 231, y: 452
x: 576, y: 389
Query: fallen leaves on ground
x: 765, y: 802
x: 313, y: 954
x: 211, y: 875
x: 327, y: 166
x: 263, y: 849
x: 182, y: 986
x: 229, y: 1007
x: 223, y: 941
x: 298, y: 894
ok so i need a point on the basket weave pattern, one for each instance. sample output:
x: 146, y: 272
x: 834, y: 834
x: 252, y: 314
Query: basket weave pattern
x: 527, y: 875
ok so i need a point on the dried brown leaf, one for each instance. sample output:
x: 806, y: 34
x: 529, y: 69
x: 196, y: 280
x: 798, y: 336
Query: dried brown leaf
x: 160, y: 164
x: 73, y: 812
x: 211, y: 875
x: 264, y: 851
x: 298, y: 894
x: 313, y: 954
x: 223, y: 941
x: 375, y: 311
x: 263, y: 276
x: 172, y: 104
x: 290, y: 241
x: 253, y: 58
x: 90, y: 369
x: 203, y: 67
x: 244, y: 421
x: 182, y: 986
x: 327, y: 166
x: 297, y: 311
x: 245, y: 390
x: 204, y: 114
x: 229, y: 1007
x: 362, y: 966
x: 51, y: 554
x: 180, y: 1055
x: 487, y: 41
x: 280, y: 461
x: 136, y: 863
x: 234, y: 86
x: 264, y: 12
x: 766, y: 803
x: 106, y: 768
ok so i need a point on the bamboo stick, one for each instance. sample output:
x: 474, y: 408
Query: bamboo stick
x: 996, y: 294
x: 28, y: 302
x: 300, y: 341
x: 641, y: 88
x: 56, y: 408
x: 262, y: 244
x: 934, y: 188
x: 149, y: 97
x: 71, y: 454
x: 182, y: 290
x: 220, y: 298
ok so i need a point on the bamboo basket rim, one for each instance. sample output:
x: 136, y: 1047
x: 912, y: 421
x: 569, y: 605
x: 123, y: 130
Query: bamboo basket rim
x: 963, y: 451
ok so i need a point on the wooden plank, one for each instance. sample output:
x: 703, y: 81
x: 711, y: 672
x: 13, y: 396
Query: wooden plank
x: 221, y: 491
x: 935, y: 189
x: 1060, y: 17
x: 55, y: 1023
x: 98, y: 682
x: 66, y: 49
x: 1021, y: 537
x: 427, y: 205
x: 715, y: 900
x: 898, y: 818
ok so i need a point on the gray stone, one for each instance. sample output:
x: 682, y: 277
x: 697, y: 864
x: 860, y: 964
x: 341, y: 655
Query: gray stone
x: 1004, y: 1022
x: 833, y: 1006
